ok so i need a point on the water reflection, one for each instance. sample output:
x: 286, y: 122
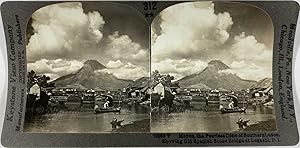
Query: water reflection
x: 84, y: 120
x: 199, y: 120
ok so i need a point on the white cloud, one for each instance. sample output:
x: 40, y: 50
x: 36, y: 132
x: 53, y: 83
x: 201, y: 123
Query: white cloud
x: 63, y: 29
x: 125, y: 71
x: 108, y: 71
x: 250, y: 71
x: 179, y: 68
x: 247, y: 71
x: 55, y: 68
x: 224, y: 23
x: 189, y: 29
x: 51, y: 76
x: 122, y: 47
x: 227, y: 71
x: 114, y: 64
x: 153, y: 36
x: 249, y: 49
x: 252, y: 59
x: 194, y: 32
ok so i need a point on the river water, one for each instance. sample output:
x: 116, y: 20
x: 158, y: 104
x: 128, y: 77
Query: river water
x: 84, y: 120
x: 210, y: 120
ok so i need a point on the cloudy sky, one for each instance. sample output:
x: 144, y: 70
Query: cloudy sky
x: 186, y: 36
x: 63, y: 36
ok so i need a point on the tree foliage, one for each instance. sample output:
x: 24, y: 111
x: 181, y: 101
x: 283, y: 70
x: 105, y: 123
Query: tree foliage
x: 164, y: 79
x: 33, y: 78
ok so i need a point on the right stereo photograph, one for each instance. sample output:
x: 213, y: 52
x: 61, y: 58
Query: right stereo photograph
x: 211, y: 68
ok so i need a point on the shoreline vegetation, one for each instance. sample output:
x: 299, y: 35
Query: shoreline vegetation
x: 269, y: 125
x: 135, y: 126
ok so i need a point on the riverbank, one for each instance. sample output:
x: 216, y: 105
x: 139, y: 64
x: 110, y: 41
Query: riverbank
x: 135, y: 126
x: 269, y: 125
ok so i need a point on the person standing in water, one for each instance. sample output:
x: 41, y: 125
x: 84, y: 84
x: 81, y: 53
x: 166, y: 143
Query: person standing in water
x: 81, y: 100
x: 116, y: 123
x: 96, y: 107
x: 221, y: 107
x: 206, y: 102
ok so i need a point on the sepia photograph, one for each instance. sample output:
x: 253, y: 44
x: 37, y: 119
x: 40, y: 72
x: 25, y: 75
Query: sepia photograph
x: 149, y: 73
x: 88, y: 69
x: 211, y: 68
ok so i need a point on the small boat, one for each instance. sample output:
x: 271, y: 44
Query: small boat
x: 102, y: 110
x: 234, y: 110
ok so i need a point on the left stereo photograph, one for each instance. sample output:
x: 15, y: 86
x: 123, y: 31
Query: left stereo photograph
x: 88, y: 68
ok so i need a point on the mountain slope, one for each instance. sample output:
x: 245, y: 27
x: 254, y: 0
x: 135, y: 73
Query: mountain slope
x: 263, y: 84
x: 91, y: 76
x: 140, y: 83
x: 215, y: 76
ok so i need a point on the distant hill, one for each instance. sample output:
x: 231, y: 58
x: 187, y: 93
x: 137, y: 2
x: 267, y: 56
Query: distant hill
x: 216, y: 75
x: 263, y: 84
x: 90, y: 76
x: 140, y: 83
